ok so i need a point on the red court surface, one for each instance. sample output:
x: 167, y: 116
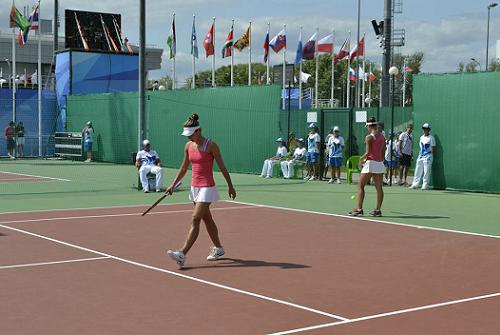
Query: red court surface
x: 104, y: 271
x: 11, y: 177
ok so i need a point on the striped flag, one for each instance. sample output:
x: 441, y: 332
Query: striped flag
x: 35, y: 16
x: 266, y: 47
x: 194, y: 41
x: 228, y: 44
x: 278, y: 42
x: 326, y: 44
x: 171, y: 40
x: 343, y: 52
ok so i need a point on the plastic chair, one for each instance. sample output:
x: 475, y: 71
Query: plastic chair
x: 296, y: 168
x: 352, y: 166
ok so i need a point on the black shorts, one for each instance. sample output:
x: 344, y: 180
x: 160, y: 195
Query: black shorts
x: 405, y: 160
x: 11, y: 144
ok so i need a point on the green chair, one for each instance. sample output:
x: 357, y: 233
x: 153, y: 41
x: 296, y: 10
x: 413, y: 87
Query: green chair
x: 277, y: 170
x: 296, y: 169
x: 352, y: 166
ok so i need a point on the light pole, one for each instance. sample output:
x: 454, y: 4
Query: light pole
x: 475, y: 61
x: 393, y: 72
x: 490, y: 6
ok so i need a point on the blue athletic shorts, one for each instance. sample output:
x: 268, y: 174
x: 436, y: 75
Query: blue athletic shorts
x: 312, y: 158
x: 87, y: 146
x: 336, y: 161
x: 391, y: 164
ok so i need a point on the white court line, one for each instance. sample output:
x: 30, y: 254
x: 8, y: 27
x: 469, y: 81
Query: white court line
x: 63, y: 218
x: 364, y: 219
x: 382, y: 315
x: 30, y: 175
x: 51, y: 263
x: 177, y: 274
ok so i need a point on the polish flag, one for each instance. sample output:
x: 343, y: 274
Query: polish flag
x: 326, y: 44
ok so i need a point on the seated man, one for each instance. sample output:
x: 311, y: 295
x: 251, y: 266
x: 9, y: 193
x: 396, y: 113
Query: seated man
x: 281, y: 153
x: 148, y: 161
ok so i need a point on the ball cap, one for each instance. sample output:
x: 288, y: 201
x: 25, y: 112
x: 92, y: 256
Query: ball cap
x: 336, y: 128
x: 312, y: 125
x: 279, y: 139
x: 301, y: 140
x: 426, y: 126
x: 145, y: 143
x: 89, y: 123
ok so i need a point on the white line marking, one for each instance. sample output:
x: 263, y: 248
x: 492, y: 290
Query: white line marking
x: 30, y: 175
x: 18, y: 179
x: 364, y: 219
x: 62, y: 218
x: 382, y: 315
x: 91, y: 208
x: 173, y: 273
x: 51, y: 263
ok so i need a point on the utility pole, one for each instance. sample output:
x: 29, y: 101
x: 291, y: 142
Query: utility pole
x: 142, y: 74
x: 386, y: 60
x: 56, y: 26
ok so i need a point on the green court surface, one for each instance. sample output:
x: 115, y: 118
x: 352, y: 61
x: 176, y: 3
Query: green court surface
x: 105, y: 185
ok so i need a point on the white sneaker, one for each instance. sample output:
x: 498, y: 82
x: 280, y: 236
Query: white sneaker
x: 88, y: 160
x: 331, y: 181
x: 413, y: 187
x: 145, y: 190
x: 158, y: 190
x: 177, y: 256
x: 262, y: 176
x: 338, y: 181
x: 306, y: 178
x: 216, y: 253
x: 268, y: 177
x: 312, y: 178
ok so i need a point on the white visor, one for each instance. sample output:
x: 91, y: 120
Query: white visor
x: 188, y: 131
x: 371, y: 124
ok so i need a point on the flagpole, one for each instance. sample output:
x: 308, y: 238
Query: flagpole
x: 284, y: 68
x: 300, y: 75
x: 193, y: 81
x: 370, y: 86
x: 348, y: 89
x: 14, y: 74
x: 213, y: 56
x: 317, y: 70
x: 232, y: 54
x: 39, y: 81
x: 404, y: 83
x: 364, y: 72
x: 332, y: 88
x: 174, y: 83
x: 250, y: 54
x: 268, y: 55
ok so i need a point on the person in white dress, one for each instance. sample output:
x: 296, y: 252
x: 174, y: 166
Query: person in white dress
x: 298, y: 158
x: 148, y: 161
x: 426, y: 154
x: 281, y: 153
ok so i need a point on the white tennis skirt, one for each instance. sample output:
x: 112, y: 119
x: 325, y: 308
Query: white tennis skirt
x: 204, y: 194
x: 373, y: 167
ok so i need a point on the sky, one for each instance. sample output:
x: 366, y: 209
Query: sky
x: 446, y: 31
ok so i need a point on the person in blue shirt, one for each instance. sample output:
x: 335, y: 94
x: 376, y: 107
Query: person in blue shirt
x: 88, y: 134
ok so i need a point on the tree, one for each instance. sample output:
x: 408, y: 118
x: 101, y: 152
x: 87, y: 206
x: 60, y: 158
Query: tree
x: 495, y: 64
x: 223, y: 76
x: 163, y: 81
x: 414, y: 64
x: 469, y: 67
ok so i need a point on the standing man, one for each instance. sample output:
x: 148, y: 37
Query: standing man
x: 88, y: 133
x: 313, y: 152
x: 423, y: 168
x: 405, y: 148
x: 148, y: 161
x: 20, y: 139
x: 10, y: 133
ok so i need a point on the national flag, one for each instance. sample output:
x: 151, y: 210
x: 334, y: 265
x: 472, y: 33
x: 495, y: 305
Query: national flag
x: 343, y: 52
x: 352, y: 74
x: 171, y: 40
x: 278, y: 42
x: 408, y: 69
x: 354, y: 52
x: 304, y: 77
x: 372, y: 77
x: 194, y: 41
x: 35, y: 16
x: 17, y: 20
x: 208, y: 42
x: 298, y: 54
x: 84, y: 42
x: 244, y: 41
x: 326, y: 44
x: 310, y: 47
x: 228, y: 44
x: 266, y: 47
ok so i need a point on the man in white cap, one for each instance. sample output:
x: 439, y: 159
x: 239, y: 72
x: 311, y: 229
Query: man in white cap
x: 335, y: 147
x: 427, y: 151
x: 88, y: 133
x: 148, y: 161
x: 281, y: 153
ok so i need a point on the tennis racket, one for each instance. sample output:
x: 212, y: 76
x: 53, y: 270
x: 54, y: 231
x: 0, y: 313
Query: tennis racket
x: 176, y: 187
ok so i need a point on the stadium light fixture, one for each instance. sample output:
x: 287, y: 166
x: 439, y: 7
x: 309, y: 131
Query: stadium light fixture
x: 490, y: 6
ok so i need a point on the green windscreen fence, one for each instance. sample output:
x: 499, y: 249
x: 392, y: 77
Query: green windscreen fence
x: 463, y: 111
x: 243, y: 121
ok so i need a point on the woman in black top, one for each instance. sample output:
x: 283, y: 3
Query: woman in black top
x: 20, y: 139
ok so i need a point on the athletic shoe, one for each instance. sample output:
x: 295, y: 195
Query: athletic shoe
x: 216, y: 253
x: 356, y: 212
x: 177, y: 256
x: 145, y: 190
x: 376, y: 212
x: 338, y: 181
x: 426, y: 188
x: 88, y: 160
x: 306, y: 178
x: 158, y: 190
x: 413, y: 187
x: 312, y: 178
x: 262, y: 176
x: 331, y: 181
x: 268, y: 177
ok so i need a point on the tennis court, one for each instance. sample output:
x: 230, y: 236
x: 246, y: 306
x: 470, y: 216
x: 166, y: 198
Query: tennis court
x: 12, y: 177
x: 286, y: 270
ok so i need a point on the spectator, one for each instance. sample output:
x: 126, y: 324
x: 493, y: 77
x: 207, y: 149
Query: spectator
x: 10, y: 133
x: 298, y: 157
x: 148, y: 161
x: 335, y: 146
x: 423, y: 168
x: 267, y: 168
x: 405, y: 147
x: 391, y: 161
x: 327, y: 153
x: 156, y: 85
x: 313, y: 152
x: 20, y: 139
x: 88, y: 134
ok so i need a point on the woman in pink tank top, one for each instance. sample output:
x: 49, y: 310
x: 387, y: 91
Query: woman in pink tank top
x: 373, y: 166
x: 200, y: 152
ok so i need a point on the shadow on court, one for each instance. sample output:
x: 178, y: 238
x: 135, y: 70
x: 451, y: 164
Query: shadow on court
x: 243, y: 263
x: 414, y: 216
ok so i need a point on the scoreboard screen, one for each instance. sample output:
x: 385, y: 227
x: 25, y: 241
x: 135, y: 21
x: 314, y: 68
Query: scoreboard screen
x: 100, y: 30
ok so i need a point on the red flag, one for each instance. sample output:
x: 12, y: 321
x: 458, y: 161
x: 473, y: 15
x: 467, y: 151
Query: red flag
x: 208, y: 42
x: 372, y: 77
x: 343, y: 52
x: 354, y: 51
x: 408, y: 69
